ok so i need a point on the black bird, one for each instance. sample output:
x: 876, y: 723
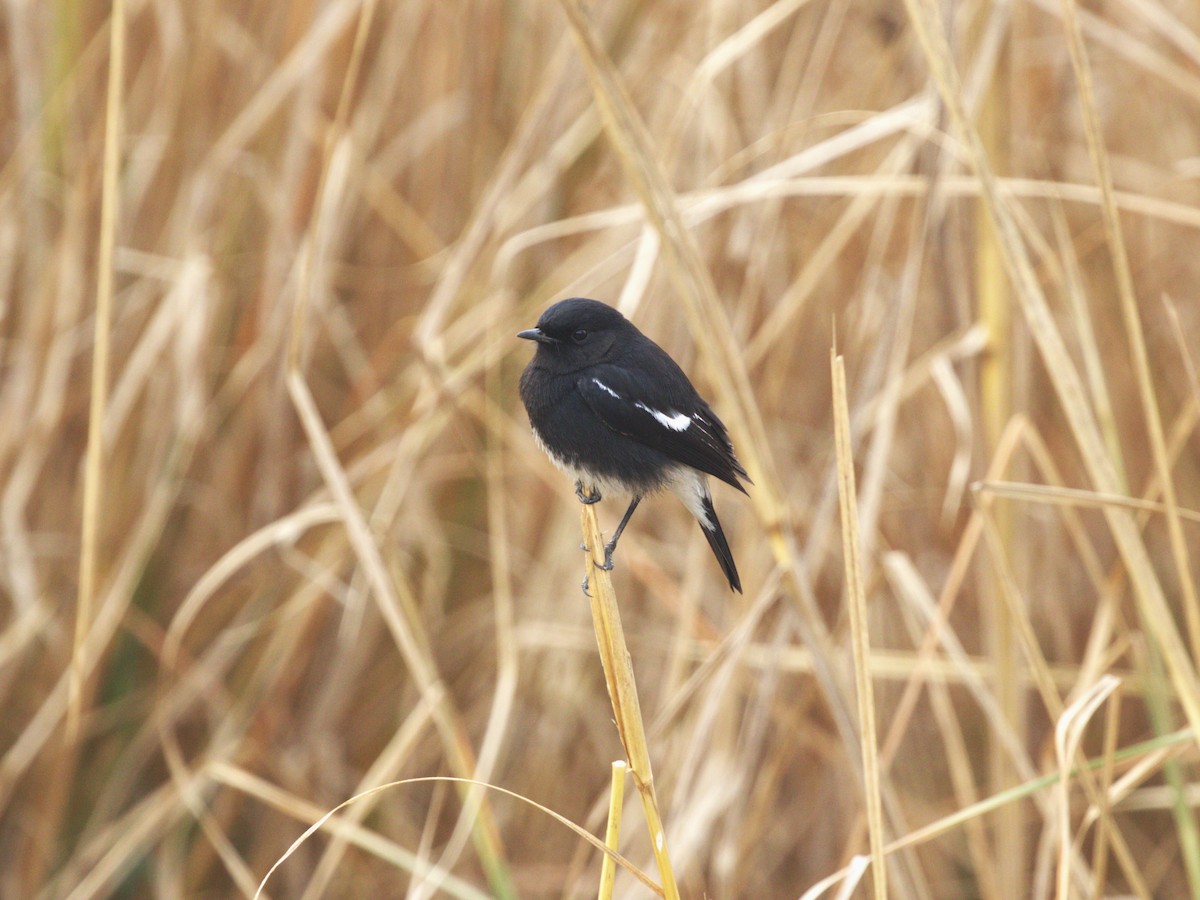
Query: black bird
x: 611, y: 409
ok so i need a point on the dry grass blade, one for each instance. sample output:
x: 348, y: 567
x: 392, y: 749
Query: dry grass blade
x: 241, y: 780
x: 1068, y: 736
x: 854, y: 872
x: 1104, y: 811
x: 1064, y: 496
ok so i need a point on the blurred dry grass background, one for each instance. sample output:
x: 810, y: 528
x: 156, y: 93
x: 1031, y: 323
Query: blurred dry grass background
x: 311, y: 584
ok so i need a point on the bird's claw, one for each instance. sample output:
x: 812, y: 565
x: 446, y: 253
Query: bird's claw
x: 607, y: 565
x: 584, y: 586
x: 587, y: 499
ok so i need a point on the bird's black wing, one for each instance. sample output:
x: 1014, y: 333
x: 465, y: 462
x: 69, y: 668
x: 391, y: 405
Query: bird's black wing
x: 692, y: 435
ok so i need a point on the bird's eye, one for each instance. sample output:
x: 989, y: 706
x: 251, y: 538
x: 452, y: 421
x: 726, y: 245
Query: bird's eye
x: 580, y: 336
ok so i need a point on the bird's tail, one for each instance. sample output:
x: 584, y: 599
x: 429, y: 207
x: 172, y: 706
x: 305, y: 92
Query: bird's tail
x: 720, y: 546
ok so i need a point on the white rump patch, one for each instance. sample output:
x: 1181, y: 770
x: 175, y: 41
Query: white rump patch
x: 676, y: 422
x: 691, y: 487
x: 604, y: 387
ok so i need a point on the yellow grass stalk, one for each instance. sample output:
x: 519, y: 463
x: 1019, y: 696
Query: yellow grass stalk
x: 93, y: 467
x: 48, y: 819
x: 612, y: 833
x: 622, y: 689
x: 996, y: 403
x: 856, y: 600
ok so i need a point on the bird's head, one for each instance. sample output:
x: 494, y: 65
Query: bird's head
x: 577, y: 333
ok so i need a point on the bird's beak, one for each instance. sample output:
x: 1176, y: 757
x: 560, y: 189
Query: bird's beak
x: 536, y: 334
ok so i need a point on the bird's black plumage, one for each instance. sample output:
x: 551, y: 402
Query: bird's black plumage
x: 611, y: 408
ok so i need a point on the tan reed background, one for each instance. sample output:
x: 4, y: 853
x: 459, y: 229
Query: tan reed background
x: 272, y: 279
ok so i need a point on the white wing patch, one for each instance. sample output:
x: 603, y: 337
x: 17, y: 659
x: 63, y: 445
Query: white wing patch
x: 676, y: 422
x: 604, y: 387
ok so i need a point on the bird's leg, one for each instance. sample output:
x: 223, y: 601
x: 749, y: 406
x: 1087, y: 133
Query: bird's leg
x: 612, y: 544
x: 589, y: 499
